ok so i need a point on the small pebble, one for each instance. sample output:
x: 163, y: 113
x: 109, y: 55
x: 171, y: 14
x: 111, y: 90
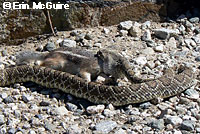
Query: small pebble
x: 145, y: 105
x: 26, y: 98
x: 4, y: 95
x: 75, y: 129
x: 174, y: 120
x: 158, y: 124
x: 105, y: 126
x: 88, y: 37
x: 2, y: 119
x: 8, y: 99
x: 62, y: 111
x: 22, y: 88
x: 198, y: 130
x: 68, y: 43
x: 188, y: 125
x: 26, y: 126
x: 49, y: 126
x: 146, y: 36
x: 134, y: 31
x: 164, y: 33
x: 80, y: 38
x: 106, y: 31
x: 197, y: 58
x: 71, y: 107
x: 12, y: 131
x: 123, y: 32
x: 39, y: 116
x: 108, y: 113
x: 97, y: 45
x: 4, y: 53
x: 126, y: 25
x: 159, y: 48
x: 74, y: 33
x: 39, y: 48
x: 194, y: 20
x: 95, y: 109
x: 193, y: 94
x: 132, y: 119
x: 44, y: 103
x: 31, y: 132
x: 49, y: 46
x: 141, y: 60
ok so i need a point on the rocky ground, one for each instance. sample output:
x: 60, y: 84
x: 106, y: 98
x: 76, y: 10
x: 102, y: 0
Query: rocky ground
x: 150, y: 47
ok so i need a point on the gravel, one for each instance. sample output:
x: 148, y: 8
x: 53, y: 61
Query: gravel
x: 164, y: 33
x: 194, y: 20
x: 2, y: 119
x: 68, y: 43
x: 193, y: 94
x: 71, y: 107
x: 49, y: 46
x: 188, y: 125
x: 8, y: 99
x: 105, y: 126
x: 61, y: 111
x: 150, y: 48
x: 126, y: 25
x: 134, y: 31
x: 174, y: 120
x: 157, y: 124
x: 147, y: 36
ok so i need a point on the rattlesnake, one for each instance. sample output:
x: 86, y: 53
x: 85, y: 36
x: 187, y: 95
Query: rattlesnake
x: 168, y: 85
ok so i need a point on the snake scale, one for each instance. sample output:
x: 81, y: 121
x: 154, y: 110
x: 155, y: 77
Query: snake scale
x: 168, y: 85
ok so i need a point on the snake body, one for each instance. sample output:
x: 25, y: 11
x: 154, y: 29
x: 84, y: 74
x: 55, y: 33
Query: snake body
x: 168, y: 85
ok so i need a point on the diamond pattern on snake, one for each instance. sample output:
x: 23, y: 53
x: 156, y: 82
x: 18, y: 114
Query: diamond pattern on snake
x: 86, y: 67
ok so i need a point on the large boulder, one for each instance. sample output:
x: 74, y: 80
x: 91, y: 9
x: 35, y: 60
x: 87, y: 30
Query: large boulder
x: 16, y: 25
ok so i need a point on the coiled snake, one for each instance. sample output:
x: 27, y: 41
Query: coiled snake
x: 168, y: 85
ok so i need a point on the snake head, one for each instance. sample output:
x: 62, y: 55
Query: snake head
x: 100, y: 55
